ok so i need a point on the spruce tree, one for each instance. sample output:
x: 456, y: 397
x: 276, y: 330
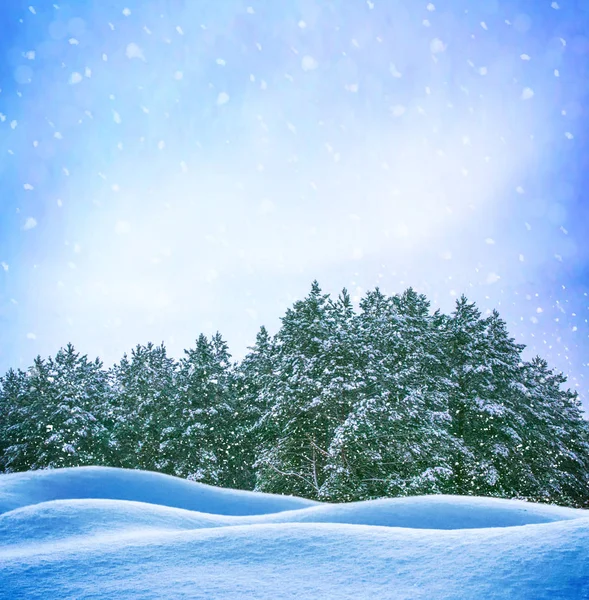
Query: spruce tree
x: 77, y: 392
x: 395, y: 439
x: 301, y: 415
x: 555, y: 439
x: 253, y: 401
x: 198, y: 444
x: 18, y: 424
x: 144, y: 394
x: 483, y: 362
x: 56, y: 416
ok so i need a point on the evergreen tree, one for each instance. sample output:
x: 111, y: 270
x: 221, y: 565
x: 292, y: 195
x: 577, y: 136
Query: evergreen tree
x: 144, y: 396
x: 18, y: 425
x: 78, y: 390
x: 395, y: 439
x: 554, y: 453
x: 302, y: 414
x: 199, y: 443
x: 56, y: 418
x: 253, y: 402
x: 483, y: 362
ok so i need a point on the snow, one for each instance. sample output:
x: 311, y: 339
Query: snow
x: 222, y: 98
x: 308, y: 63
x: 18, y: 490
x: 114, y: 533
x: 527, y: 93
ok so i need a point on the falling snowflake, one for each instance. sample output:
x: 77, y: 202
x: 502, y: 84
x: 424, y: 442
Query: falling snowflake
x: 436, y: 46
x: 133, y: 51
x: 75, y: 77
x: 308, y: 63
x: 222, y: 98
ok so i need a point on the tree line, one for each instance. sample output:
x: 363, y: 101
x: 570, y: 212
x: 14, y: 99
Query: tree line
x: 339, y: 405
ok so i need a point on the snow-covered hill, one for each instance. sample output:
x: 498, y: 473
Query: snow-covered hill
x: 96, y: 532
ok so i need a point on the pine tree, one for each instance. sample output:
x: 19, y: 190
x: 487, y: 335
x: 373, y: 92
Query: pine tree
x: 483, y: 363
x: 301, y: 414
x: 554, y: 455
x: 144, y: 395
x: 198, y: 444
x: 394, y: 441
x: 253, y: 384
x: 18, y: 425
x: 225, y: 434
x: 29, y: 416
x: 77, y: 391
x: 55, y: 418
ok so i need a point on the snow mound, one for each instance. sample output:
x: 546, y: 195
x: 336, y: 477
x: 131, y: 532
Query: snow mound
x: 33, y: 487
x: 60, y: 519
x: 433, y: 512
x: 109, y: 533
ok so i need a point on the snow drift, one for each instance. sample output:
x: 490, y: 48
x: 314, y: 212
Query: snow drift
x: 114, y: 533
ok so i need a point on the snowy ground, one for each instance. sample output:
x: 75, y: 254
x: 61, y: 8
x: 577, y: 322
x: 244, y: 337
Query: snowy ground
x: 108, y: 533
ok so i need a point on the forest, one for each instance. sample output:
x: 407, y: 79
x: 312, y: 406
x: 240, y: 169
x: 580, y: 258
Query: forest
x: 341, y: 404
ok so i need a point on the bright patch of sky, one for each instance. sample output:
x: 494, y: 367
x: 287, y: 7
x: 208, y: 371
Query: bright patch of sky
x: 210, y: 161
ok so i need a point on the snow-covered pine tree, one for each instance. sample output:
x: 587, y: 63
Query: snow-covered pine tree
x: 78, y: 391
x: 225, y: 438
x: 304, y: 410
x: 57, y: 415
x: 483, y: 363
x: 395, y: 439
x: 554, y: 463
x: 18, y: 425
x: 144, y: 396
x: 253, y: 383
x: 198, y: 443
x: 343, y: 387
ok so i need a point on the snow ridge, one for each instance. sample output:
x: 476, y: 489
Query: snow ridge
x: 115, y: 533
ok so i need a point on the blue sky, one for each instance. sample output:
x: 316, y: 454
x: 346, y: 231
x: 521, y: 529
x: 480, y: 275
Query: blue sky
x: 171, y: 167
